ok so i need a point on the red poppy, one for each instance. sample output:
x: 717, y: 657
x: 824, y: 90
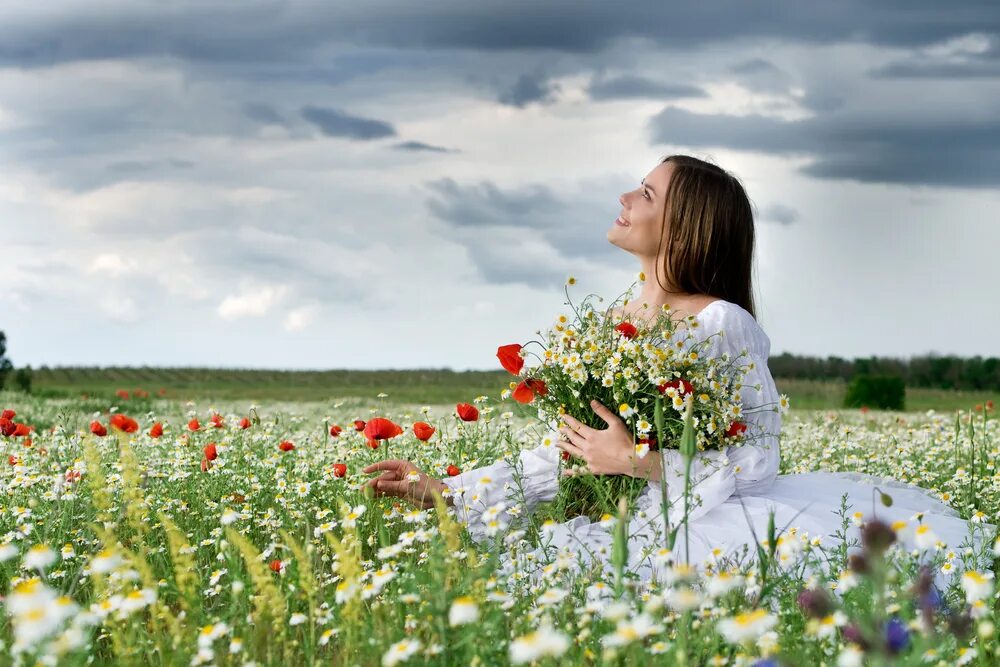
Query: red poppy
x: 8, y: 414
x: 684, y: 386
x: 21, y: 430
x: 162, y: 392
x: 194, y: 424
x: 527, y: 390
x: 276, y: 566
x: 28, y: 442
x: 564, y: 455
x: 380, y: 428
x: 989, y: 405
x: 7, y: 427
x: 735, y: 429
x: 510, y: 358
x: 122, y: 394
x: 205, y: 464
x: 72, y: 476
x: 373, y: 443
x: 979, y: 407
x: 124, y: 423
x: 335, y: 430
x: 13, y: 460
x: 156, y: 431
x: 453, y: 470
x: 627, y: 329
x: 245, y: 423
x: 423, y: 431
x: 651, y: 441
x: 97, y: 428
x: 211, y: 453
x: 339, y: 469
x: 218, y: 420
x: 467, y: 412
x: 286, y: 446
x: 359, y: 425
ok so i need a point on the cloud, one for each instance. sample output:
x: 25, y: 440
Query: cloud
x: 336, y: 123
x: 527, y: 89
x: 869, y: 147
x: 252, y: 302
x: 631, y: 87
x: 112, y: 264
x: 300, y: 318
x: 975, y: 55
x: 780, y: 213
x: 418, y: 146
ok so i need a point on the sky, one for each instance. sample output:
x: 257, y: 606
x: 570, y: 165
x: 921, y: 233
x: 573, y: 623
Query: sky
x: 282, y: 184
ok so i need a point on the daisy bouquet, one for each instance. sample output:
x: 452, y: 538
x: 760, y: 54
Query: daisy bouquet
x: 649, y: 370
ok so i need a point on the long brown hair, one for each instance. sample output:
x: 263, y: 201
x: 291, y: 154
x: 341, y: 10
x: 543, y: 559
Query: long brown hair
x: 707, y: 235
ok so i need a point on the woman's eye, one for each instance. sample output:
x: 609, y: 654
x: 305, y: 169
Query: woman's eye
x: 645, y: 195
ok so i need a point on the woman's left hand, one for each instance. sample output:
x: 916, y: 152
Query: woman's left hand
x: 608, y: 451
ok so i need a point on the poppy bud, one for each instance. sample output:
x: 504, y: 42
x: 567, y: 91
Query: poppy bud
x: 339, y: 469
x: 286, y: 446
x: 467, y: 412
x: 453, y: 470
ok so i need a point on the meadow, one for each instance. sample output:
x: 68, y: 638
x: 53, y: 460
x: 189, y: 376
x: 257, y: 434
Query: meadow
x: 239, y: 532
x: 436, y: 386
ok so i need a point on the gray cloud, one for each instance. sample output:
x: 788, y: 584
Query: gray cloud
x: 527, y: 89
x: 779, y: 213
x: 263, y: 113
x: 942, y: 152
x: 627, y: 87
x: 336, y: 123
x: 265, y: 31
x: 508, y: 231
x: 419, y: 146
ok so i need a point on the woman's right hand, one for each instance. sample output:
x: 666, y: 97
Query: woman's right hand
x: 402, y: 479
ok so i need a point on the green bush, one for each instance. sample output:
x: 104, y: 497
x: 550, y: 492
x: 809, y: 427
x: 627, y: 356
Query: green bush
x: 22, y: 379
x: 886, y: 392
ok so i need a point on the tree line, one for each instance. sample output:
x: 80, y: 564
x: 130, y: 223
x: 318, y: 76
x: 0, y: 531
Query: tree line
x: 931, y: 371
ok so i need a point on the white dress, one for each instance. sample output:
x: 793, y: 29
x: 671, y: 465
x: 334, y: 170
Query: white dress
x: 737, y: 488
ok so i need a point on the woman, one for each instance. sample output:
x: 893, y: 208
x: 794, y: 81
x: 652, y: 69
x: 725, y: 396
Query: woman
x: 690, y: 225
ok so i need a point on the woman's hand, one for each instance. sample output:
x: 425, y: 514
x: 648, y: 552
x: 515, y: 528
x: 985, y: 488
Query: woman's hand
x: 609, y: 451
x: 404, y: 480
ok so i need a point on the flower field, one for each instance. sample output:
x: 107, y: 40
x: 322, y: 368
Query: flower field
x: 165, y: 533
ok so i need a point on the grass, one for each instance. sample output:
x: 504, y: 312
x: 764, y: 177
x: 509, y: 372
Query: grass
x: 425, y: 386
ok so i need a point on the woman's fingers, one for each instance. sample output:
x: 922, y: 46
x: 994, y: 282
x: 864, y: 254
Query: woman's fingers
x: 577, y: 425
x: 570, y: 447
x: 388, y: 464
x: 574, y: 437
x: 610, y: 418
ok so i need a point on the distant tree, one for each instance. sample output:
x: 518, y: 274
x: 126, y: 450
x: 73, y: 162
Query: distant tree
x: 5, y: 365
x: 22, y: 379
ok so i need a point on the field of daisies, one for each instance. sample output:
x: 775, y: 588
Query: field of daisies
x: 152, y: 532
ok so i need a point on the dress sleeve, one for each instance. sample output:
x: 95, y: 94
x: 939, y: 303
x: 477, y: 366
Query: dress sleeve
x: 493, y: 493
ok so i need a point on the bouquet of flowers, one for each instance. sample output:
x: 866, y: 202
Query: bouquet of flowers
x: 629, y: 364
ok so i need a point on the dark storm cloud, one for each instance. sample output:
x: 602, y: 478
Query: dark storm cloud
x: 942, y: 152
x: 270, y: 31
x: 627, y: 87
x: 336, y: 123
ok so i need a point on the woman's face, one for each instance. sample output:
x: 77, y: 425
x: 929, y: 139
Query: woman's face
x: 637, y: 230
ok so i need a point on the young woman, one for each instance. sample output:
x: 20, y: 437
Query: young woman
x: 690, y: 225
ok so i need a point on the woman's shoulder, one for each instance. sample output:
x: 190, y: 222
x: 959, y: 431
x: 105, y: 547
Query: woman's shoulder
x: 740, y: 328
